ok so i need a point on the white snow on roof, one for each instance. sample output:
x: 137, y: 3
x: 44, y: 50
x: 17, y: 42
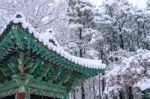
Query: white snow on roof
x: 45, y: 37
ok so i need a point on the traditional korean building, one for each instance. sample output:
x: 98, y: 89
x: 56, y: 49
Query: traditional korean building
x: 33, y: 65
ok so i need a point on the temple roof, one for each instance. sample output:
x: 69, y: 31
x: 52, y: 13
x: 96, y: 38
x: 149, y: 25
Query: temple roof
x: 38, y: 61
x: 49, y: 40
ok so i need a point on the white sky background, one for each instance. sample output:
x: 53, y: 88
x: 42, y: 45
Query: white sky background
x: 138, y: 3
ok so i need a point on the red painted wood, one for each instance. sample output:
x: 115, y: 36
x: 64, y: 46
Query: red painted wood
x: 22, y: 74
x: 1, y: 79
x: 21, y: 95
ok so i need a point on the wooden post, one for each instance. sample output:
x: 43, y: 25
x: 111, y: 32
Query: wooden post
x: 23, y: 92
x: 21, y: 95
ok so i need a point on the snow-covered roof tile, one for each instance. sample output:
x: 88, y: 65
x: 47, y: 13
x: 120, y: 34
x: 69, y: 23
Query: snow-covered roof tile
x: 45, y: 39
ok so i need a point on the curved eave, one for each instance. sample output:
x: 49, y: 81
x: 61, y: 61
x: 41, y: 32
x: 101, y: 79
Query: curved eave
x: 43, y: 37
x: 46, y: 52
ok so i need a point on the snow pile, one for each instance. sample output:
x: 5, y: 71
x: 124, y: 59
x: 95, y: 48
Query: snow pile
x: 45, y: 39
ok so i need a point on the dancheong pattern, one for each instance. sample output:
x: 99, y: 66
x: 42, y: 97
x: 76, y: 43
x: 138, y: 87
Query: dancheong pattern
x: 29, y: 66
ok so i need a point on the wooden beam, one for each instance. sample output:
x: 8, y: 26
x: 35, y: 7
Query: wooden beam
x: 6, y: 86
x: 58, y: 74
x: 7, y: 93
x: 64, y: 76
x: 46, y: 93
x: 46, y: 72
x: 10, y: 67
x: 3, y: 73
x: 41, y: 85
x: 68, y: 77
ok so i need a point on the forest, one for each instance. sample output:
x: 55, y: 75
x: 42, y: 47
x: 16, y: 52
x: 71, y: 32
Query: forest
x: 116, y: 33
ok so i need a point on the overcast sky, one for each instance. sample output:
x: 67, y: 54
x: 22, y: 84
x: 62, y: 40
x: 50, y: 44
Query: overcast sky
x: 139, y: 3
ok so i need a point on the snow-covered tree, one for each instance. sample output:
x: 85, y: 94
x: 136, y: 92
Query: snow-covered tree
x: 128, y: 73
x: 82, y: 30
x: 81, y: 25
x: 42, y: 14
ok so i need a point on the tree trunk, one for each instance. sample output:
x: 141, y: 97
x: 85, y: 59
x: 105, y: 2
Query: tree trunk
x: 81, y: 55
x: 103, y: 83
x: 122, y: 42
x: 94, y: 90
x: 121, y: 95
x: 130, y: 94
x: 82, y: 92
x: 80, y: 48
x: 100, y: 91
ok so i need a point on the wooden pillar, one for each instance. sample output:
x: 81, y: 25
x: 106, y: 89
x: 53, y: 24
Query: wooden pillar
x: 22, y: 80
x: 23, y: 92
x: 21, y: 95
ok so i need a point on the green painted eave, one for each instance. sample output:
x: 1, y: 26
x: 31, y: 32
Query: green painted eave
x: 22, y: 38
x: 25, y: 60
